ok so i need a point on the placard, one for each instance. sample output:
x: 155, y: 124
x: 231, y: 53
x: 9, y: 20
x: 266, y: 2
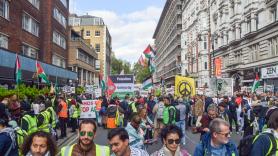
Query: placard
x: 88, y: 109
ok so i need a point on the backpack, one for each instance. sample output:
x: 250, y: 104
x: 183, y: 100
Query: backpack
x: 245, y: 144
x: 177, y: 114
x: 166, y: 114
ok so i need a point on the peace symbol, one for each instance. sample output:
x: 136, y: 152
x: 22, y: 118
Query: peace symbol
x: 185, y: 89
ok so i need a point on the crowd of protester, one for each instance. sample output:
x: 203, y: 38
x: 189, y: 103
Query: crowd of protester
x: 29, y: 127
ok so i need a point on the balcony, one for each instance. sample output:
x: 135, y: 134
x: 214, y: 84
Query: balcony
x: 77, y: 42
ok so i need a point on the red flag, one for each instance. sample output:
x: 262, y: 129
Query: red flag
x: 142, y: 61
x: 111, y: 87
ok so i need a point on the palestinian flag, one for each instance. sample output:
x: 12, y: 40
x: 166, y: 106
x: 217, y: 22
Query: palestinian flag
x: 18, y: 73
x: 111, y: 87
x: 149, y: 52
x: 256, y: 83
x: 41, y: 73
x: 142, y: 61
x: 147, y: 83
x: 102, y: 83
x: 151, y: 65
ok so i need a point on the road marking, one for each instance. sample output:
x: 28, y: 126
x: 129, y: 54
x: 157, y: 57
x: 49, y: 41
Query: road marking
x: 195, y: 143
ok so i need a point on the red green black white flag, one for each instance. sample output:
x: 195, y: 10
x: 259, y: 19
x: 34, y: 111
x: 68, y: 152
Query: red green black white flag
x: 18, y: 72
x: 41, y: 73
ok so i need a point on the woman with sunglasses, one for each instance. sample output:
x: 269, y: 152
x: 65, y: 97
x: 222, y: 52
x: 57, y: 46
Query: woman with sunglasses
x: 171, y: 138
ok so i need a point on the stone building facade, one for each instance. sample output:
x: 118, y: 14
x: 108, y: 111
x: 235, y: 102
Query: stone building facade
x: 195, y: 43
x: 245, y: 38
x: 168, y: 43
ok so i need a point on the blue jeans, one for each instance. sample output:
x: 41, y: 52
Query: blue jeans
x: 181, y: 125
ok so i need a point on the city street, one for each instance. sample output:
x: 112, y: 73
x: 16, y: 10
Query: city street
x: 101, y: 138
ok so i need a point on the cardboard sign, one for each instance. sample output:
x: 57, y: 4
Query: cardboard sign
x: 88, y: 109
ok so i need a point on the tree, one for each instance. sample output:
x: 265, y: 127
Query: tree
x: 141, y: 73
x: 117, y: 65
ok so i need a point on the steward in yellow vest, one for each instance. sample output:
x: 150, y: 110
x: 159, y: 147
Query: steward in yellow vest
x: 44, y: 121
x: 29, y: 123
x: 86, y: 145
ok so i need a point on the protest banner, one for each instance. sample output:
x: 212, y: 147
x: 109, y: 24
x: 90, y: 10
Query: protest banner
x: 88, y: 109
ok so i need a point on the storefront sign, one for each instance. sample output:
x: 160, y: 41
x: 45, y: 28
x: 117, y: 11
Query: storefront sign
x: 88, y: 109
x: 270, y: 72
x: 218, y: 63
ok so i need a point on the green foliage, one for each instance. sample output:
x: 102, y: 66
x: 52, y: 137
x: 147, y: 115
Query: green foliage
x: 140, y: 72
x: 21, y: 91
x: 79, y: 90
x: 117, y: 65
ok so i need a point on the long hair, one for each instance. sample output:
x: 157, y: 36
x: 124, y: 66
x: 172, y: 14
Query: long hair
x: 51, y: 146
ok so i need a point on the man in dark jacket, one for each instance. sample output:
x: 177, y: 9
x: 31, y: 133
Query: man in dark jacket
x: 8, y: 145
x: 124, y: 106
x: 216, y: 142
x: 232, y: 107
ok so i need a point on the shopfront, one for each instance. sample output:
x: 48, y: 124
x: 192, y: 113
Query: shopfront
x: 270, y: 77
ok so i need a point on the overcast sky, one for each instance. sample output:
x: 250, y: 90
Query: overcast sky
x: 131, y: 22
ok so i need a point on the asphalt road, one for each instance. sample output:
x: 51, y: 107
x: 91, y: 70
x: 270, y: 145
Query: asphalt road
x: 101, y: 138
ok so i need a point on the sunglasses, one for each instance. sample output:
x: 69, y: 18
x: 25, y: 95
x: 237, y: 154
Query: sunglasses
x: 171, y: 141
x: 224, y: 134
x: 83, y: 133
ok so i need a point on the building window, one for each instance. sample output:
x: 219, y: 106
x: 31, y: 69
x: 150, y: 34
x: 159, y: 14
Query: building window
x: 97, y: 47
x: 238, y: 57
x: 4, y: 41
x: 59, y: 39
x: 97, y: 33
x: 65, y: 3
x: 35, y: 3
x: 206, y: 65
x: 254, y: 54
x: 4, y: 8
x: 30, y: 24
x: 60, y: 17
x: 58, y: 61
x: 29, y: 51
x: 274, y: 47
x: 205, y: 42
x: 273, y: 13
x: 88, y: 33
x: 248, y: 25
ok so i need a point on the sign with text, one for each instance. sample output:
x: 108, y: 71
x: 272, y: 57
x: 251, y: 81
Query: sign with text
x: 97, y: 92
x: 270, y: 72
x: 124, y: 85
x: 89, y: 89
x: 88, y: 109
x: 68, y: 89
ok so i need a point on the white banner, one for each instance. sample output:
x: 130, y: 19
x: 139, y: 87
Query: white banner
x: 124, y: 87
x: 97, y: 92
x: 68, y: 89
x: 89, y: 89
x: 88, y: 109
x: 269, y: 72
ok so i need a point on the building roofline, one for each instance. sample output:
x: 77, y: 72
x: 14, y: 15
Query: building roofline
x: 162, y: 16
